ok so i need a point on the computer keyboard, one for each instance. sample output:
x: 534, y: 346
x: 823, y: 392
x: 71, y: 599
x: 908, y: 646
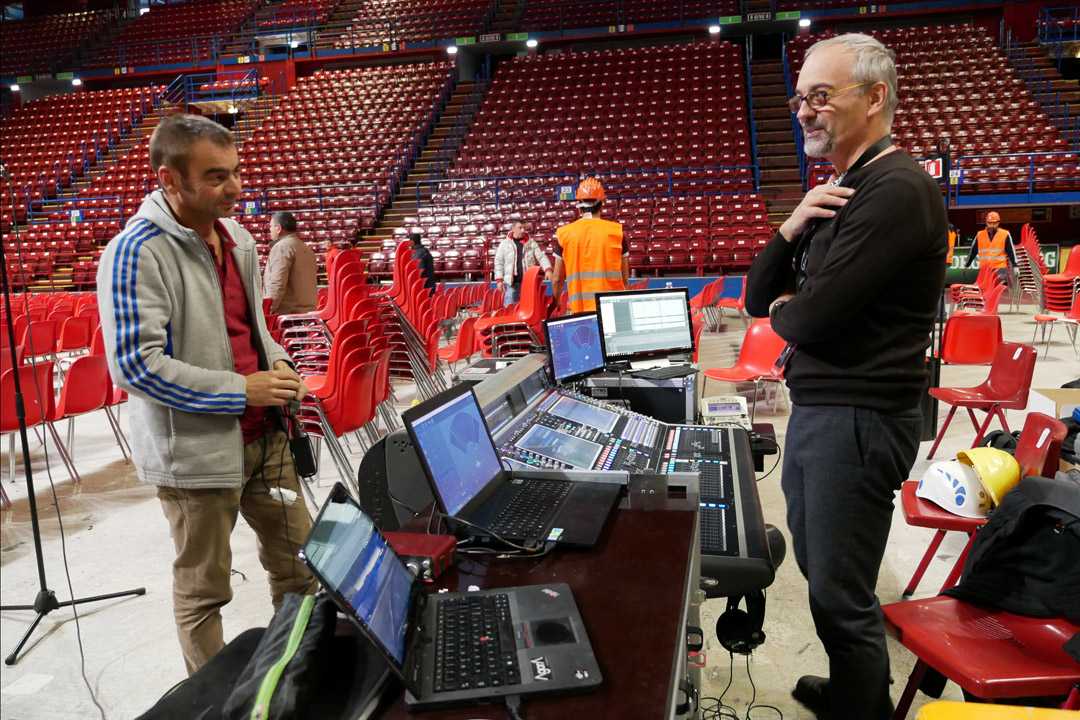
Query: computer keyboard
x: 527, y: 513
x: 474, y: 643
x: 665, y: 373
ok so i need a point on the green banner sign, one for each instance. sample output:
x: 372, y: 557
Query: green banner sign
x: 1050, y: 254
x: 465, y: 41
x: 517, y: 37
x: 730, y: 20
x: 788, y: 15
x: 24, y: 79
x: 65, y: 76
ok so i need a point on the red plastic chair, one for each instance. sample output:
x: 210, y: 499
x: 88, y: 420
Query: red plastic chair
x: 39, y: 339
x: 1070, y: 320
x: 87, y: 387
x: 971, y: 339
x: 36, y: 382
x: 993, y: 655
x: 1037, y: 452
x: 760, y: 349
x: 74, y: 335
x: 463, y: 346
x: 1006, y: 388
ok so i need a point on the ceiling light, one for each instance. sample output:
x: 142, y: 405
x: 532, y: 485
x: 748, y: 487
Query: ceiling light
x: 233, y: 110
x: 294, y: 44
x: 531, y: 43
x: 14, y: 88
x: 77, y: 82
x: 804, y: 22
x: 714, y: 29
x: 452, y: 50
x: 143, y: 11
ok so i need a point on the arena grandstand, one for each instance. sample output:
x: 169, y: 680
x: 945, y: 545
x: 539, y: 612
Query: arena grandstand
x: 416, y: 148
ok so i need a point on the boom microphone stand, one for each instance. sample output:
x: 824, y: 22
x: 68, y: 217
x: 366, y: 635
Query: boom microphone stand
x: 45, y: 601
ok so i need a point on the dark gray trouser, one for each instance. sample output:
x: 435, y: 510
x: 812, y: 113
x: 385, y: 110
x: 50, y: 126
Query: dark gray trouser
x: 842, y: 466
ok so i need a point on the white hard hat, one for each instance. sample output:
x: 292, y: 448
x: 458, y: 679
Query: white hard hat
x: 955, y: 487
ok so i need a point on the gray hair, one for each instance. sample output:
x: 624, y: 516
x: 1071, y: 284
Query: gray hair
x: 285, y: 219
x: 170, y: 145
x: 874, y: 63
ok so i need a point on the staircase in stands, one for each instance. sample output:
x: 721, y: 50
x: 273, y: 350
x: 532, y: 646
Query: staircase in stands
x: 781, y: 183
x: 438, y: 153
x: 337, y: 22
x: 1058, y: 97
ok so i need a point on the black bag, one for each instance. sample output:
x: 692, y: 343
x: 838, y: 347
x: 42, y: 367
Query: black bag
x: 281, y: 678
x: 1024, y: 560
x: 1001, y: 440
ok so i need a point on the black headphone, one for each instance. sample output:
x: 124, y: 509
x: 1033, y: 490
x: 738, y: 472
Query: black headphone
x: 739, y: 631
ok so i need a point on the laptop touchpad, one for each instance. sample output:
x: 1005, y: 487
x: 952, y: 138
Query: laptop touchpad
x: 556, y: 631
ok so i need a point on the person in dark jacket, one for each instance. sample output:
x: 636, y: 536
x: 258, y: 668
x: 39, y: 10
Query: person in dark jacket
x: 427, y: 264
x: 852, y: 281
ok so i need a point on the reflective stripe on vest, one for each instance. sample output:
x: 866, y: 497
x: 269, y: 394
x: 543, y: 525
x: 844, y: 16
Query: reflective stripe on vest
x: 992, y: 252
x: 592, y: 253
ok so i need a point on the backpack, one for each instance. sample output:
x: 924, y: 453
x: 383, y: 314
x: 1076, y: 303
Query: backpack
x: 1024, y: 560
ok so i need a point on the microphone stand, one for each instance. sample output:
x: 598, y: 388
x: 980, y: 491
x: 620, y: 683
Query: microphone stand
x: 45, y: 601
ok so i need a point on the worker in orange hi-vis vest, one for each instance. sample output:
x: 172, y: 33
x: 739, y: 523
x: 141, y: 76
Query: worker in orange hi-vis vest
x: 591, y: 254
x: 953, y: 235
x: 994, y: 247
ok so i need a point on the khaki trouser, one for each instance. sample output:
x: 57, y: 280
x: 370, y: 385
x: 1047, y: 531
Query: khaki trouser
x: 201, y: 522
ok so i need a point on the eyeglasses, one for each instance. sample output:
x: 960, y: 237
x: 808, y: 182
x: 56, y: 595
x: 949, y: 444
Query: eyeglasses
x: 819, y: 98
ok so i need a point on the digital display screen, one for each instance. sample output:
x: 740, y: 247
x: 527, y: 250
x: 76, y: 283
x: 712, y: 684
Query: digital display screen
x: 574, y: 346
x: 585, y: 414
x: 725, y: 408
x: 354, y: 561
x: 644, y: 323
x: 559, y: 446
x: 457, y: 449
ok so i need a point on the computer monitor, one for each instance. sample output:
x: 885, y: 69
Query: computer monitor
x: 574, y: 346
x: 644, y: 323
x: 453, y: 441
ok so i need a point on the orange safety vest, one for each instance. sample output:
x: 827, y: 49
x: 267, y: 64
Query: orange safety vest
x: 992, y: 251
x: 952, y: 246
x: 592, y: 253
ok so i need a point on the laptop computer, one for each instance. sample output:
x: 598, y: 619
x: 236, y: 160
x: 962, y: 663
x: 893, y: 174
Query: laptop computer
x: 486, y: 501
x: 448, y: 648
x: 646, y: 328
x: 573, y: 346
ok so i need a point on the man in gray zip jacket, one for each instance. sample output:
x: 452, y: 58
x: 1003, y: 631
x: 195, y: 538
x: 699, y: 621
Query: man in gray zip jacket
x: 184, y: 332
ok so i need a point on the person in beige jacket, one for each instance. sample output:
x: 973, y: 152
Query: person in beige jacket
x: 516, y: 254
x: 292, y: 272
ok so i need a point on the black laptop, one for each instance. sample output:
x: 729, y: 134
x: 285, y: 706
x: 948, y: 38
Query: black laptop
x: 455, y: 647
x: 471, y: 486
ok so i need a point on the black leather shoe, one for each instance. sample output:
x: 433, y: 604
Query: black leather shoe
x: 813, y: 692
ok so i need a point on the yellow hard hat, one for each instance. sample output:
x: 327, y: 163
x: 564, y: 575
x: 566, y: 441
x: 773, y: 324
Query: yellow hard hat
x: 998, y: 471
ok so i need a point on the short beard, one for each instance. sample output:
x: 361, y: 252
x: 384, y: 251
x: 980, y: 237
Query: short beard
x: 819, y: 148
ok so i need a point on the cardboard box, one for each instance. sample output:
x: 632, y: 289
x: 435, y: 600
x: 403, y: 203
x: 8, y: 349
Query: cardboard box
x: 1055, y: 402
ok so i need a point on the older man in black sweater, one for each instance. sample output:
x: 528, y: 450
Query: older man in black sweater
x: 852, y: 281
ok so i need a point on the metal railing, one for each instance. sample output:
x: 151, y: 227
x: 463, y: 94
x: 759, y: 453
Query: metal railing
x: 1031, y: 181
x: 796, y: 129
x: 748, y: 56
x: 1059, y: 24
x: 665, y: 182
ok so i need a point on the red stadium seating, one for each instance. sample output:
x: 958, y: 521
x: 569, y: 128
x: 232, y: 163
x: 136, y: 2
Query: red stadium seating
x: 175, y: 33
x: 945, y: 74
x: 554, y: 14
x: 35, y: 44
x: 385, y: 21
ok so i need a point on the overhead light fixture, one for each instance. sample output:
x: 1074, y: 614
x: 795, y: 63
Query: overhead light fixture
x: 294, y: 44
x: 451, y: 50
x: 804, y: 22
x: 15, y: 88
x: 531, y: 43
x: 143, y: 11
x: 77, y: 82
x: 233, y: 110
x: 714, y: 29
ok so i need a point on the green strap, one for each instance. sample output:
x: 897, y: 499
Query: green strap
x: 261, y: 710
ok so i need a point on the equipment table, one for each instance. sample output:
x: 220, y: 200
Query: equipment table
x: 636, y: 591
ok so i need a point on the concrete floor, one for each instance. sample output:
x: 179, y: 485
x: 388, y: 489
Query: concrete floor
x: 117, y: 539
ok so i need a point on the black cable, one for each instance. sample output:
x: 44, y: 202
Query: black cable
x: 753, y: 696
x: 48, y: 468
x: 776, y: 464
x: 493, y: 534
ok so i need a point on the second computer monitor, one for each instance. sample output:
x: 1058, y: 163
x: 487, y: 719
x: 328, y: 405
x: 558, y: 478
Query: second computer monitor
x: 574, y: 346
x: 644, y: 323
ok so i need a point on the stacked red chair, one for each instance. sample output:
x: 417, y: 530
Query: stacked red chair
x: 517, y: 329
x: 1062, y: 287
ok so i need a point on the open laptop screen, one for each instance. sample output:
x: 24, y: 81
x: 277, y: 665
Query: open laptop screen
x: 354, y: 561
x: 574, y: 346
x: 645, y: 323
x: 457, y: 450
